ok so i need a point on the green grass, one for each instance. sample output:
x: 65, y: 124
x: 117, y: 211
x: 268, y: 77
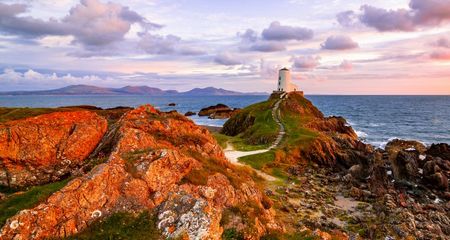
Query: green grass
x: 232, y: 234
x: 221, y: 139
x: 123, y: 226
x: 254, y: 124
x: 296, y: 134
x: 258, y: 161
x: 237, y: 142
x: 8, y: 114
x: 132, y: 156
x: 279, y: 173
x: 28, y: 199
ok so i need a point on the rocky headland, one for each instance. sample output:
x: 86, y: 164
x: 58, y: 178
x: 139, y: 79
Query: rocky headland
x: 157, y: 162
x: 88, y: 173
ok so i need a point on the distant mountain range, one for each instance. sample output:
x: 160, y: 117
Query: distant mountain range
x: 131, y: 90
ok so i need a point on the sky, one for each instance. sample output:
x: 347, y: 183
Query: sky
x: 331, y: 46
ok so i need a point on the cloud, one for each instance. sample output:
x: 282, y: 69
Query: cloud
x: 430, y: 12
x: 95, y: 23
x: 91, y: 22
x: 32, y: 77
x: 249, y: 35
x: 268, y: 70
x: 278, y: 32
x: 346, y: 18
x: 305, y: 63
x: 421, y: 13
x: 156, y: 44
x: 227, y: 59
x: 268, y: 46
x: 442, y: 42
x: 387, y: 20
x: 339, y: 42
x: 440, y: 55
x: 251, y: 42
x: 346, y: 65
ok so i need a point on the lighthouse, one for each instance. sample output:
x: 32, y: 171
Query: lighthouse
x: 284, y: 81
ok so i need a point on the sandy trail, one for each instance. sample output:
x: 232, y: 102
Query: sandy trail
x: 233, y: 155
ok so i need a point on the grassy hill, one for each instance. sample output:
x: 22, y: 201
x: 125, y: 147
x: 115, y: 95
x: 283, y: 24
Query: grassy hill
x: 309, y: 135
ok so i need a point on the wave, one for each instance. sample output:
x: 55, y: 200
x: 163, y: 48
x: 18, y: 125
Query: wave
x: 376, y: 124
x: 361, y: 134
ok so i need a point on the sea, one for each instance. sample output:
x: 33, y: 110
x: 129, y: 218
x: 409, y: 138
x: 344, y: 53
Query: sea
x: 376, y: 119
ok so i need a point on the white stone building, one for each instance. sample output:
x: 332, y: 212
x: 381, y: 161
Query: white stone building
x: 284, y: 81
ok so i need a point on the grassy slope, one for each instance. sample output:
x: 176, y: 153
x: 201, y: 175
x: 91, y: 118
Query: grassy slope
x: 297, y: 135
x: 8, y: 114
x: 256, y: 127
x: 28, y: 199
x: 123, y: 226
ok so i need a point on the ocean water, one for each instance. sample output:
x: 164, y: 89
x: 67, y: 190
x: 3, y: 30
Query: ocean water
x: 376, y: 119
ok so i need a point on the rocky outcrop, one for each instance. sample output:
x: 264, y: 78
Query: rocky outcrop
x: 189, y: 113
x: 405, y: 165
x: 223, y: 114
x: 219, y: 111
x: 48, y: 147
x: 411, y: 161
x: 159, y: 161
x: 393, y: 147
x: 441, y: 150
x: 212, y: 109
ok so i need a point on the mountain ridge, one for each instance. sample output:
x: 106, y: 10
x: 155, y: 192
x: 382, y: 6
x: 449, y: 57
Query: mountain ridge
x: 82, y: 89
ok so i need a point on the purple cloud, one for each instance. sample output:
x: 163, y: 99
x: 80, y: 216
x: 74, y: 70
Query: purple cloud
x: 305, y: 63
x: 442, y: 42
x: 347, y: 18
x: 339, y: 42
x: 421, y: 13
x: 278, y: 32
x: 268, y: 46
x: 250, y: 35
x: 159, y: 45
x: 430, y: 12
x: 91, y: 23
x: 387, y: 20
x: 227, y: 59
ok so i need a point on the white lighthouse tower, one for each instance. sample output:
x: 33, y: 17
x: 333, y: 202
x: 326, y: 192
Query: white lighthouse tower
x: 284, y: 81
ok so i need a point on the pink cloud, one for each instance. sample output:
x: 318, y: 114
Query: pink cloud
x: 440, y: 55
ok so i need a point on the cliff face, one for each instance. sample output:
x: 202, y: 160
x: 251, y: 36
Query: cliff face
x: 47, y: 147
x: 333, y: 141
x: 161, y: 162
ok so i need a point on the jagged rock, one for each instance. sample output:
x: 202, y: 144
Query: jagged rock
x: 212, y: 109
x: 393, y: 147
x: 223, y: 114
x: 378, y: 182
x: 358, y: 172
x: 189, y: 113
x: 405, y: 165
x: 158, y: 160
x: 435, y: 173
x: 45, y: 148
x: 441, y: 150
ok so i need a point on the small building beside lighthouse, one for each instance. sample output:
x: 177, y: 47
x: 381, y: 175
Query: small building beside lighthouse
x: 284, y: 81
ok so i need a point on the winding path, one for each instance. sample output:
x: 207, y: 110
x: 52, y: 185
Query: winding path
x: 233, y: 155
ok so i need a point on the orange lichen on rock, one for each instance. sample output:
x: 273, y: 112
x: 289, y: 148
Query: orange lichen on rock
x: 42, y: 149
x: 153, y: 155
